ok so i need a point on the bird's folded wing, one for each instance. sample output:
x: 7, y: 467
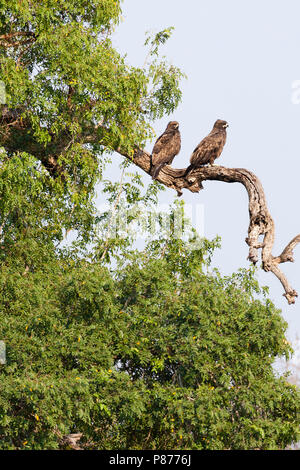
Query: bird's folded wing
x: 160, y: 149
x: 203, y: 151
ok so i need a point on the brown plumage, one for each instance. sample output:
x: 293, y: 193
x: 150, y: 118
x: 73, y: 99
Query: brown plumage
x: 165, y: 148
x: 210, y: 148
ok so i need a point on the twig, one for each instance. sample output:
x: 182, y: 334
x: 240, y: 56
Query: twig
x: 112, y: 216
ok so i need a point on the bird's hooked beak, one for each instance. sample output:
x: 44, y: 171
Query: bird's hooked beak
x: 226, y: 125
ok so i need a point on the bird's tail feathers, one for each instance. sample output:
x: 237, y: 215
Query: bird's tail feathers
x: 156, y: 169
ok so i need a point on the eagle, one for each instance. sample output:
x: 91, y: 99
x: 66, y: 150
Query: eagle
x: 210, y: 148
x: 165, y: 148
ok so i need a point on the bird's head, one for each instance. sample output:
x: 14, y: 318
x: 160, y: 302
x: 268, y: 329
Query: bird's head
x: 219, y: 124
x: 173, y: 125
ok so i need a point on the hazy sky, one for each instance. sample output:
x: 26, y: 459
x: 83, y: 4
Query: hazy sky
x: 241, y: 59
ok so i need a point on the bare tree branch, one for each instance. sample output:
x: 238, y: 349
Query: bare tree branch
x: 16, y: 33
x: 9, y: 40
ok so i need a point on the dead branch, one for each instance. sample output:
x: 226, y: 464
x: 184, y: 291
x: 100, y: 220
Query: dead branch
x: 6, y: 40
x: 261, y: 222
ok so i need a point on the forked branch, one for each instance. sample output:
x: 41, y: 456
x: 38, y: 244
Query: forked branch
x: 261, y: 223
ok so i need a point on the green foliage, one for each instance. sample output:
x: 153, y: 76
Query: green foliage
x: 132, y: 348
x: 164, y: 78
x: 161, y: 355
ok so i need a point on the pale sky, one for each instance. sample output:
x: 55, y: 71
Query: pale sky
x: 241, y: 59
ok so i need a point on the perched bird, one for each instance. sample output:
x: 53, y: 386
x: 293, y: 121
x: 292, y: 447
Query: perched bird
x: 210, y: 147
x: 165, y: 148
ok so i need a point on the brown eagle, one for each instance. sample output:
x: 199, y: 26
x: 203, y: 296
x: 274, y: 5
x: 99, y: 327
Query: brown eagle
x: 210, y: 147
x: 165, y: 148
